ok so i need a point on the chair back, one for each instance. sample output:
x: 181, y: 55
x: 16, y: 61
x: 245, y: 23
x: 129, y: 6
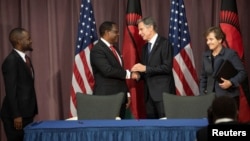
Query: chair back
x: 98, y: 106
x: 187, y: 106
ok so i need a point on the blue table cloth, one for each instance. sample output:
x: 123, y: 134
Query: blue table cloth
x: 114, y: 130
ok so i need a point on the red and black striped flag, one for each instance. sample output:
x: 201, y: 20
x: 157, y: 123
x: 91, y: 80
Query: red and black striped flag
x: 229, y: 23
x: 131, y: 51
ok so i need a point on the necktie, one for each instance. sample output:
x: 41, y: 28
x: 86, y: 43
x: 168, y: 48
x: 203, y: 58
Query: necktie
x: 149, y: 48
x: 28, y: 63
x: 115, y: 53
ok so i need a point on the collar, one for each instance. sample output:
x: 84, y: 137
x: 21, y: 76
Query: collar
x: 106, y: 42
x: 22, y: 54
x: 153, y: 39
x: 220, y: 120
x: 209, y: 52
x: 222, y: 51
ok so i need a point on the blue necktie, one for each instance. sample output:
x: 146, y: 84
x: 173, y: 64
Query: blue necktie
x: 149, y: 48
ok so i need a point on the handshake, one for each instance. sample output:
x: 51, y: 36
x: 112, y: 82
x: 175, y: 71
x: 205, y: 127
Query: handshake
x: 136, y: 69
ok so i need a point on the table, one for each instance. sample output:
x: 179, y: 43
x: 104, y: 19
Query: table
x: 114, y: 130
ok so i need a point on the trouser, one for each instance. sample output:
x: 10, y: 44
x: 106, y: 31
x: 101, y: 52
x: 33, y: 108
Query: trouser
x: 154, y: 109
x: 13, y: 134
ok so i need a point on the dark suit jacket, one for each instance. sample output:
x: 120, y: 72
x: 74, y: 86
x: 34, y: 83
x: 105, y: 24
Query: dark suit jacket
x: 108, y: 73
x: 158, y: 76
x: 207, y: 81
x: 20, y: 99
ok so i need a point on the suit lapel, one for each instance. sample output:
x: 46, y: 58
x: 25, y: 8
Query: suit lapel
x: 218, y: 62
x: 20, y: 59
x: 109, y: 52
x: 208, y: 64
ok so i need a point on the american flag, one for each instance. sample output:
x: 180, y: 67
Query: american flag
x: 82, y: 79
x: 186, y: 80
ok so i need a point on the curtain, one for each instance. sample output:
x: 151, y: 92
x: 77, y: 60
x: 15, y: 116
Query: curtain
x: 53, y: 28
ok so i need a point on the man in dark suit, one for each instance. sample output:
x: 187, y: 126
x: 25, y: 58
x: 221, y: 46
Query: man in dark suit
x: 222, y: 112
x: 19, y: 105
x: 155, y: 68
x: 107, y: 65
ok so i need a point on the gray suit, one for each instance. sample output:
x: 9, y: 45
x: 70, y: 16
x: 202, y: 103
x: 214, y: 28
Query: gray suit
x: 207, y: 82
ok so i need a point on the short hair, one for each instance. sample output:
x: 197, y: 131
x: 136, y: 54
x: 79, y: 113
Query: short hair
x: 219, y: 34
x: 15, y: 35
x: 148, y: 21
x: 105, y: 26
x: 224, y: 107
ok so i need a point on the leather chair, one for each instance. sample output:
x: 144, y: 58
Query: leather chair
x: 187, y: 106
x: 98, y: 106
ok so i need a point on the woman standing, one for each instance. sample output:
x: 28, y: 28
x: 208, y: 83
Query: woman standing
x: 211, y: 62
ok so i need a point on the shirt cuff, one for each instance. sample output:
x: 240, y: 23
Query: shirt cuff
x: 128, y: 74
x: 128, y: 94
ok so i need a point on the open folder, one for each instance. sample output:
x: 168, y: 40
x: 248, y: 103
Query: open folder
x: 225, y: 71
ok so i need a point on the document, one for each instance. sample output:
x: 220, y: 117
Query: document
x: 225, y: 71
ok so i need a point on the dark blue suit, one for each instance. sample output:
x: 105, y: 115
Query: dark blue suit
x: 207, y: 79
x: 158, y: 77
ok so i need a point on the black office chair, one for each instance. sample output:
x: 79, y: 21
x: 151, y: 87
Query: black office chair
x: 98, y: 106
x: 187, y: 106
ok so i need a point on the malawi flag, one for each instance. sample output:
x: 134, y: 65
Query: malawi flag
x: 229, y: 23
x: 131, y: 51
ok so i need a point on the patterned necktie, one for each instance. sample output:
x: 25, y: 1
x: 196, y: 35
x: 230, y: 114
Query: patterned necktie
x: 115, y: 53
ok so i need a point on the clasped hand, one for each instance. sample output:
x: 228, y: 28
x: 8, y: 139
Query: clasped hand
x: 136, y: 69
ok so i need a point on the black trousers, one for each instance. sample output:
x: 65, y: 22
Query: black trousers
x: 154, y: 109
x: 11, y: 133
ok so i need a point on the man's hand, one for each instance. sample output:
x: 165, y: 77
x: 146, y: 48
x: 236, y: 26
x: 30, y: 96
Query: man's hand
x: 138, y: 67
x: 18, y: 123
x: 128, y: 103
x: 135, y: 75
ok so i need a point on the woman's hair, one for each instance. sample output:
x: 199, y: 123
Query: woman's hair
x: 219, y: 34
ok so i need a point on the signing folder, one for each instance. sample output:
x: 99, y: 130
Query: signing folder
x: 225, y: 71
